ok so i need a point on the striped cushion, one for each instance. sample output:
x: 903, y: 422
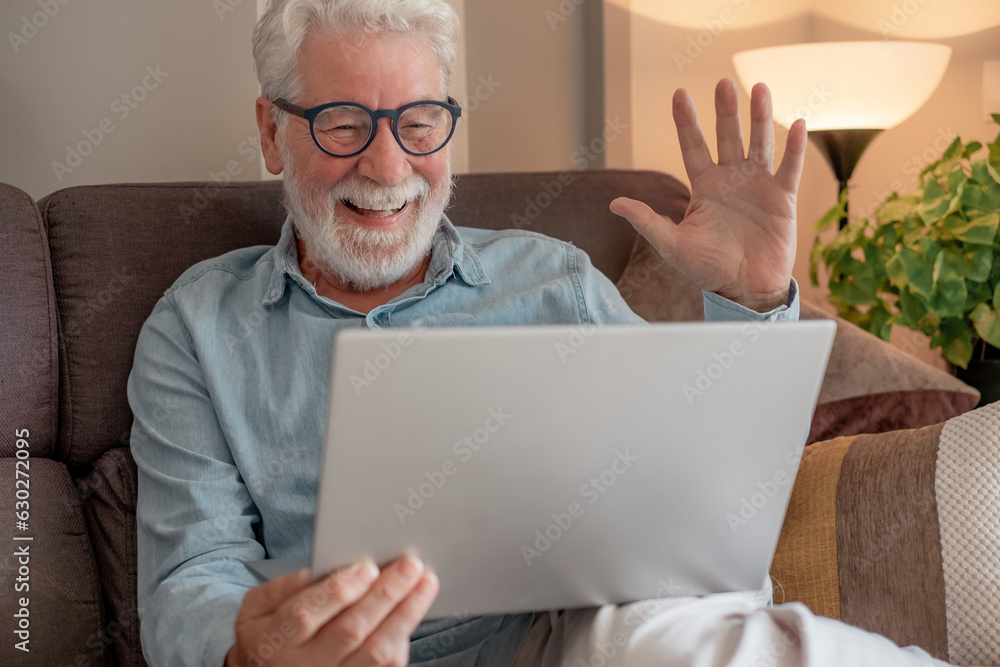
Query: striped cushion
x: 899, y: 533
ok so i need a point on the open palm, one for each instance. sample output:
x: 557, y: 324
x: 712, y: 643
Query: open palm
x: 738, y: 234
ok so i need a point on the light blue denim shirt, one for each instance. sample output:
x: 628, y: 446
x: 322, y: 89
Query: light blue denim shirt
x: 229, y: 392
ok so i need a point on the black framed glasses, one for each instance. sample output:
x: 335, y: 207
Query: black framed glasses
x: 344, y: 129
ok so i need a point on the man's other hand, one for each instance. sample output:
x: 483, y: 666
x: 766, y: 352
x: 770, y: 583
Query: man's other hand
x: 737, y: 238
x: 355, y: 616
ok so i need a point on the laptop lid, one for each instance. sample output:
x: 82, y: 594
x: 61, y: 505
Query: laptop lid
x: 556, y: 467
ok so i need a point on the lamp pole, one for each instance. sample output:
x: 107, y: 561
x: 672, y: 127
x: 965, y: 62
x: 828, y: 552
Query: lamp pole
x: 842, y: 149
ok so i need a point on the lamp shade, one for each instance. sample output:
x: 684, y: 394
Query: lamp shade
x: 845, y: 85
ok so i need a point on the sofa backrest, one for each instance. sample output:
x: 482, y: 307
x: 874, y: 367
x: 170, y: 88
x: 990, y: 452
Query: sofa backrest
x: 28, y: 354
x: 116, y: 248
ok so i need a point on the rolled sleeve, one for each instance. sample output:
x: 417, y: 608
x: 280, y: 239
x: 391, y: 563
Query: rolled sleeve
x: 195, y: 516
x: 719, y: 308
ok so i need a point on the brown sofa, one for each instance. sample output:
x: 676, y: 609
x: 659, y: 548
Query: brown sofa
x: 84, y: 267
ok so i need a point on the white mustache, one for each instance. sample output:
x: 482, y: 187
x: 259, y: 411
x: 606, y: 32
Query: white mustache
x: 365, y: 193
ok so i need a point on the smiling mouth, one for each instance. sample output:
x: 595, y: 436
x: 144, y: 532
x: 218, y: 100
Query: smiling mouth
x: 381, y: 212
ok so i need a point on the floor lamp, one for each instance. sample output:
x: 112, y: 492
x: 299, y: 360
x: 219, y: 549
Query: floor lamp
x: 848, y: 92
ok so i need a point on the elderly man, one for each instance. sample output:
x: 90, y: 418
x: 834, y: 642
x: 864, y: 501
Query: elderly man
x: 227, y: 437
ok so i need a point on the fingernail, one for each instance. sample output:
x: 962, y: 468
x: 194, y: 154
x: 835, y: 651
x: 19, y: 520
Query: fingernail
x: 429, y: 582
x: 410, y: 567
x: 369, y: 572
x: 365, y: 571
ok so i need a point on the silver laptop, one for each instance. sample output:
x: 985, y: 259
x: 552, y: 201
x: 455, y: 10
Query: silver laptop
x: 556, y: 467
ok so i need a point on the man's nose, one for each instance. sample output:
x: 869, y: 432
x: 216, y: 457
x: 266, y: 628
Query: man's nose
x: 385, y: 161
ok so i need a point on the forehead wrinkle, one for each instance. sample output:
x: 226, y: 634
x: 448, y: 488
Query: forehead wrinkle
x: 346, y: 62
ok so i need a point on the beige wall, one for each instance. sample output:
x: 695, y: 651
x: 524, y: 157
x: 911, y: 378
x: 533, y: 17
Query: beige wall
x: 63, y: 77
x: 527, y: 81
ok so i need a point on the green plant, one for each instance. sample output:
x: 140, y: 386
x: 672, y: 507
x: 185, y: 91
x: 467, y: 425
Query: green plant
x: 926, y: 261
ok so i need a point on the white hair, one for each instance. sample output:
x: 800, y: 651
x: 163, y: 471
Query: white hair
x: 280, y: 32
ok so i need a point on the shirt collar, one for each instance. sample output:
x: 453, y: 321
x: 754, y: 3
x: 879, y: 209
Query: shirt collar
x: 450, y: 255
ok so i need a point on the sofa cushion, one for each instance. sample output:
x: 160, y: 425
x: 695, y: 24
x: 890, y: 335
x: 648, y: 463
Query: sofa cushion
x: 28, y: 356
x: 115, y: 249
x: 899, y: 533
x: 568, y: 205
x: 109, y: 501
x: 869, y: 385
x: 64, y: 597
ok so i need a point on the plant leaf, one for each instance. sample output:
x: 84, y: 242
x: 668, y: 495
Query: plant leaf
x: 880, y: 320
x: 992, y: 172
x: 857, y: 286
x: 980, y: 198
x: 971, y: 148
x: 996, y: 298
x: 935, y: 201
x: 815, y: 258
x: 909, y: 268
x: 948, y: 290
x: 987, y: 323
x: 979, y: 231
x: 897, y: 208
x: 835, y: 214
x: 951, y: 157
x: 955, y: 179
x: 954, y: 337
x: 972, y: 263
x: 911, y: 309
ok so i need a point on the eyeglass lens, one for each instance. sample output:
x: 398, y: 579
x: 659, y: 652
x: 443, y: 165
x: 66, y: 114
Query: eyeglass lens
x: 344, y: 129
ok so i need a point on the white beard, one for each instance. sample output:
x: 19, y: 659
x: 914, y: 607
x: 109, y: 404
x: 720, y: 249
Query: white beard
x: 366, y: 259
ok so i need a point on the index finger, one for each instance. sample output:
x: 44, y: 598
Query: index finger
x: 311, y: 608
x: 264, y: 598
x: 694, y: 150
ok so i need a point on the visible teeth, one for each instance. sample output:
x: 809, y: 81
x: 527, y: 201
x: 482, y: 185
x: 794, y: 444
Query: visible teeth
x: 380, y: 207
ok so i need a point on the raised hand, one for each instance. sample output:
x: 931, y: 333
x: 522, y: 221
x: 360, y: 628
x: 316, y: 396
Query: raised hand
x: 738, y: 234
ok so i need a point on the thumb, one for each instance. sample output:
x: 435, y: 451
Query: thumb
x: 661, y: 232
